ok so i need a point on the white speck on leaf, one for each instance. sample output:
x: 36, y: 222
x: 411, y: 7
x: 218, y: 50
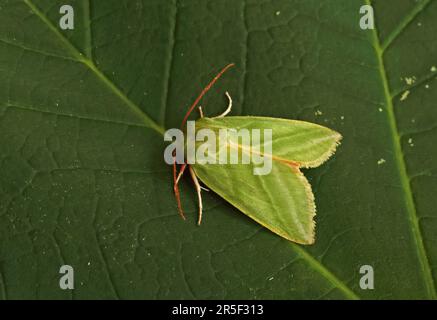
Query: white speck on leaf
x: 381, y: 161
x: 278, y: 13
x: 410, y: 80
x: 318, y: 113
x: 433, y: 69
x: 405, y: 95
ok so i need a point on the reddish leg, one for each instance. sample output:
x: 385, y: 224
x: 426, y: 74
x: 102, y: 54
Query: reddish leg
x: 176, y: 178
x: 181, y: 172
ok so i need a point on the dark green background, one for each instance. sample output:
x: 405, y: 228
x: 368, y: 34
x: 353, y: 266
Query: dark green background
x: 82, y: 177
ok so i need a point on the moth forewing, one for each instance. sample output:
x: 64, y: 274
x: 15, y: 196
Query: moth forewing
x: 303, y: 143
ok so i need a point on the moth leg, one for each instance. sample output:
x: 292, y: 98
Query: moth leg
x: 201, y: 112
x: 229, y: 107
x: 199, y: 193
x: 176, y: 188
x: 181, y: 172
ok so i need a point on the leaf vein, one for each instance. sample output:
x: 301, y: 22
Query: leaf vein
x: 42, y: 52
x: 320, y: 268
x: 418, y: 83
x: 64, y: 114
x: 88, y: 31
x: 245, y: 57
x: 408, y: 19
x: 169, y: 68
x: 100, y: 75
x: 402, y: 168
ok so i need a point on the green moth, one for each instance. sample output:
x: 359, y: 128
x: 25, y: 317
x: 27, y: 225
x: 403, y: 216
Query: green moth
x: 281, y: 200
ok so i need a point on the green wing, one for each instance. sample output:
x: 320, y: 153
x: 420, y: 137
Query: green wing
x: 305, y: 143
x: 281, y: 201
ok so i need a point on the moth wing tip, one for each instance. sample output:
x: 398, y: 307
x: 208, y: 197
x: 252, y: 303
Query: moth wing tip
x: 311, y: 240
x: 308, y: 240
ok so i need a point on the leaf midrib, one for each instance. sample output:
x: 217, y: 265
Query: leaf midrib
x: 80, y: 57
x: 397, y: 146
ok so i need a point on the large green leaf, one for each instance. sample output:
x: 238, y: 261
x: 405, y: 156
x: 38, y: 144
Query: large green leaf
x: 82, y: 177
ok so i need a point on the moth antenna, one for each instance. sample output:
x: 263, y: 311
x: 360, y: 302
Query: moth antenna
x: 205, y: 90
x: 201, y: 112
x: 199, y: 194
x: 224, y: 114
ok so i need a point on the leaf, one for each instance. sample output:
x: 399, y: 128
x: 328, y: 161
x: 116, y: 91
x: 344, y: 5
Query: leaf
x: 82, y: 181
